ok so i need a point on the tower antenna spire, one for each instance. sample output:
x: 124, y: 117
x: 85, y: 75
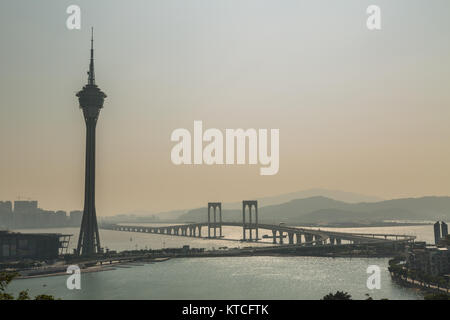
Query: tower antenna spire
x: 91, y: 73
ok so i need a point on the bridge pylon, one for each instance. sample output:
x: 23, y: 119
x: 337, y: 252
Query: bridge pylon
x: 250, y: 226
x: 215, y: 226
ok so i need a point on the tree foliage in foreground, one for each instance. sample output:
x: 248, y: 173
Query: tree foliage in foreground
x: 6, y: 278
x: 339, y: 295
x: 437, y: 296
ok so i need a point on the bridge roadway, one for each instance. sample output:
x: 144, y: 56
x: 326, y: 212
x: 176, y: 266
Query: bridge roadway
x: 302, y: 236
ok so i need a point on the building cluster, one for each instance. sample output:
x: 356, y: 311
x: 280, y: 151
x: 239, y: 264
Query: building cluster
x: 433, y: 260
x: 16, y: 246
x: 185, y: 250
x: 27, y: 214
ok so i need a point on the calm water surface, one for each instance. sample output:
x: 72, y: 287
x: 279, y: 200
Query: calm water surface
x: 224, y: 278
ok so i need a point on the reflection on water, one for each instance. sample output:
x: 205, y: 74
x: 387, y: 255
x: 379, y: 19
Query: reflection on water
x: 226, y: 278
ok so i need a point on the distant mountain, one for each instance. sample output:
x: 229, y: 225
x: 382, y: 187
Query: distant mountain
x: 349, y: 197
x: 323, y: 210
x: 344, y: 196
x: 201, y: 215
x: 295, y: 210
x: 143, y: 215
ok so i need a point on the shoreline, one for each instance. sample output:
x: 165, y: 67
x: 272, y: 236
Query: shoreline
x: 417, y: 285
x: 89, y: 269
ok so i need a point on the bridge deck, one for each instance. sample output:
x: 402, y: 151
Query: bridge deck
x: 315, y: 236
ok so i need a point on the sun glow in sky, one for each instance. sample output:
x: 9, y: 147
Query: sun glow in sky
x: 358, y: 110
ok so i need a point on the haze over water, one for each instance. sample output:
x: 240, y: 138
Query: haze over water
x: 225, y: 278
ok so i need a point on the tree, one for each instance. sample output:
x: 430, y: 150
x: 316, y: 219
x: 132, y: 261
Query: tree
x: 6, y: 278
x: 44, y: 297
x: 339, y: 295
x: 437, y: 296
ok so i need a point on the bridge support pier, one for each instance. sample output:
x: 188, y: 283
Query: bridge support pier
x: 215, y: 205
x: 318, y: 240
x: 291, y: 237
x: 250, y: 226
x: 299, y: 238
x: 281, y: 236
x: 274, y: 235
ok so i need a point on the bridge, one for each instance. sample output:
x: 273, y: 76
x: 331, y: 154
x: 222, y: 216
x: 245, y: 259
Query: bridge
x: 294, y: 236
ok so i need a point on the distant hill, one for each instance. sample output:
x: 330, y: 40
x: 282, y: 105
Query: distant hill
x: 323, y: 210
x: 201, y: 215
x: 349, y: 197
x: 143, y: 216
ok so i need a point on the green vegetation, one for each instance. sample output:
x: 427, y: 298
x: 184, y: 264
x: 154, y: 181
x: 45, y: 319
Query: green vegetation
x: 437, y: 296
x: 342, y: 295
x: 339, y: 295
x: 401, y: 273
x: 6, y: 278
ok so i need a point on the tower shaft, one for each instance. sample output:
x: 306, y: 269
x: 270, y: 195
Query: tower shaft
x: 89, y: 239
x: 91, y: 101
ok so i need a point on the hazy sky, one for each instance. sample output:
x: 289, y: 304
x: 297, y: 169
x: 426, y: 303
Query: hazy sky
x: 358, y: 110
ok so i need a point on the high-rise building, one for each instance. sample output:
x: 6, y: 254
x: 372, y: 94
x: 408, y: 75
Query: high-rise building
x: 91, y: 101
x: 25, y: 206
x: 437, y: 232
x: 61, y: 218
x: 5, y: 215
x: 25, y: 214
x: 75, y: 218
x: 444, y: 229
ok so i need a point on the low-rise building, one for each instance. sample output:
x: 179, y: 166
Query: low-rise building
x: 14, y: 245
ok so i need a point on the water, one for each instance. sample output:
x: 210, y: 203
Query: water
x: 224, y: 278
